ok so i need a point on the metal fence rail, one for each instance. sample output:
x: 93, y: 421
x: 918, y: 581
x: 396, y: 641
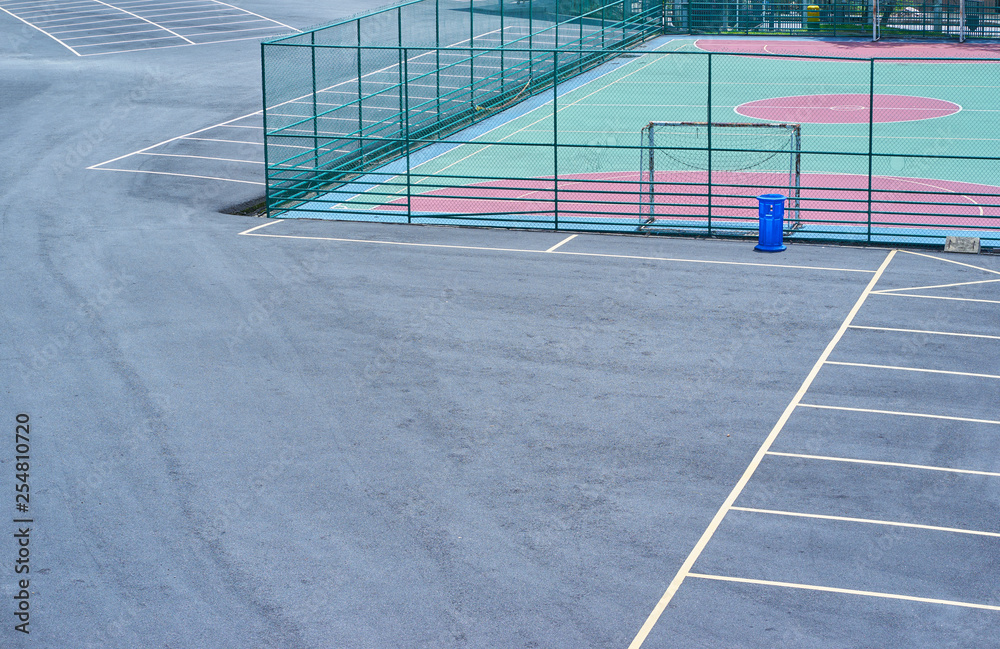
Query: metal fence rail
x: 958, y: 19
x: 346, y: 98
x: 535, y: 122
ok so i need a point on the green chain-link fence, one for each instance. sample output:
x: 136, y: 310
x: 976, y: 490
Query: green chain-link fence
x: 534, y: 121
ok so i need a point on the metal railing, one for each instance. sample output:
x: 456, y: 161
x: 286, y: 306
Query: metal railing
x: 540, y: 128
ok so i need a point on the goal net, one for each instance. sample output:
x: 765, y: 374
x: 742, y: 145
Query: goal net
x: 694, y: 168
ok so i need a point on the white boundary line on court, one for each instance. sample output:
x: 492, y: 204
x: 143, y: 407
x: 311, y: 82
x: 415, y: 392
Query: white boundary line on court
x: 913, y: 369
x: 921, y: 331
x: 902, y: 465
x: 554, y: 252
x: 685, y: 569
x: 845, y: 591
x: 870, y: 521
x: 901, y: 413
x: 451, y: 146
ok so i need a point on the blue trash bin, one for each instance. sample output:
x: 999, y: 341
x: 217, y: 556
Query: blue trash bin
x: 771, y: 212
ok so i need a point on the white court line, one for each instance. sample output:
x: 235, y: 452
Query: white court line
x: 914, y: 369
x: 939, y: 297
x: 566, y: 240
x: 170, y: 173
x: 923, y: 467
x: 685, y: 569
x: 921, y: 288
x: 229, y: 124
x: 901, y: 413
x: 524, y: 128
x: 921, y: 331
x: 562, y: 252
x: 952, y: 261
x: 846, y: 591
x: 871, y: 521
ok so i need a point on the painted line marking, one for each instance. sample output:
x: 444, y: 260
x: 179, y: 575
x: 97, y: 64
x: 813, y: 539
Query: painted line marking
x: 871, y: 521
x: 456, y: 146
x: 562, y: 252
x: 921, y: 288
x: 922, y: 331
x: 170, y: 173
x: 901, y: 413
x: 952, y: 261
x: 566, y: 240
x: 166, y: 29
x: 902, y: 465
x: 33, y: 26
x: 913, y: 369
x: 201, y: 157
x: 699, y: 547
x: 846, y: 591
x: 258, y: 227
x: 939, y: 297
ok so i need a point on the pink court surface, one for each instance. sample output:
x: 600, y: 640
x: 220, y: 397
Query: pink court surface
x: 847, y: 109
x: 831, y: 198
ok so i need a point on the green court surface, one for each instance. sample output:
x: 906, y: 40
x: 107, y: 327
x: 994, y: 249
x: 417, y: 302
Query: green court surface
x: 930, y: 150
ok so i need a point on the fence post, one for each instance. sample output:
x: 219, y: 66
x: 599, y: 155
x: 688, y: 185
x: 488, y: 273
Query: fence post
x: 405, y: 89
x: 871, y: 121
x: 503, y: 68
x: 437, y: 55
x: 472, y: 58
x: 361, y: 119
x: 709, y: 128
x: 263, y: 92
x: 555, y: 130
x: 312, y: 51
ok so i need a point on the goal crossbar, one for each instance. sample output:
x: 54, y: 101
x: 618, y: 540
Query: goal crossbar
x: 766, y: 149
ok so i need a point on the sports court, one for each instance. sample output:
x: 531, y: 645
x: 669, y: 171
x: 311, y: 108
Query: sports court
x: 889, y: 150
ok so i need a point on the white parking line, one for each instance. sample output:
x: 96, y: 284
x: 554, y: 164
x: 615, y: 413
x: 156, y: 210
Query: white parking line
x: 923, y: 467
x: 845, y: 591
x: 900, y: 413
x: 924, y: 331
x: 870, y: 521
x: 914, y: 369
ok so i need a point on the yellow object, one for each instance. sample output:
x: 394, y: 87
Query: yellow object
x: 812, y: 14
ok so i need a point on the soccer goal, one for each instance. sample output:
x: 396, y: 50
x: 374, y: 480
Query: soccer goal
x: 725, y: 165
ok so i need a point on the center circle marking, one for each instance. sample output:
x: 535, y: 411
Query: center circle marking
x: 847, y: 109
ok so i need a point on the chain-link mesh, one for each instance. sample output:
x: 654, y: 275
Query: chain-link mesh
x: 524, y: 117
x: 866, y: 18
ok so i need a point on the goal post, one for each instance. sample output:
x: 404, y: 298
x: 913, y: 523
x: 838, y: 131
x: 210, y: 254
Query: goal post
x: 746, y: 159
